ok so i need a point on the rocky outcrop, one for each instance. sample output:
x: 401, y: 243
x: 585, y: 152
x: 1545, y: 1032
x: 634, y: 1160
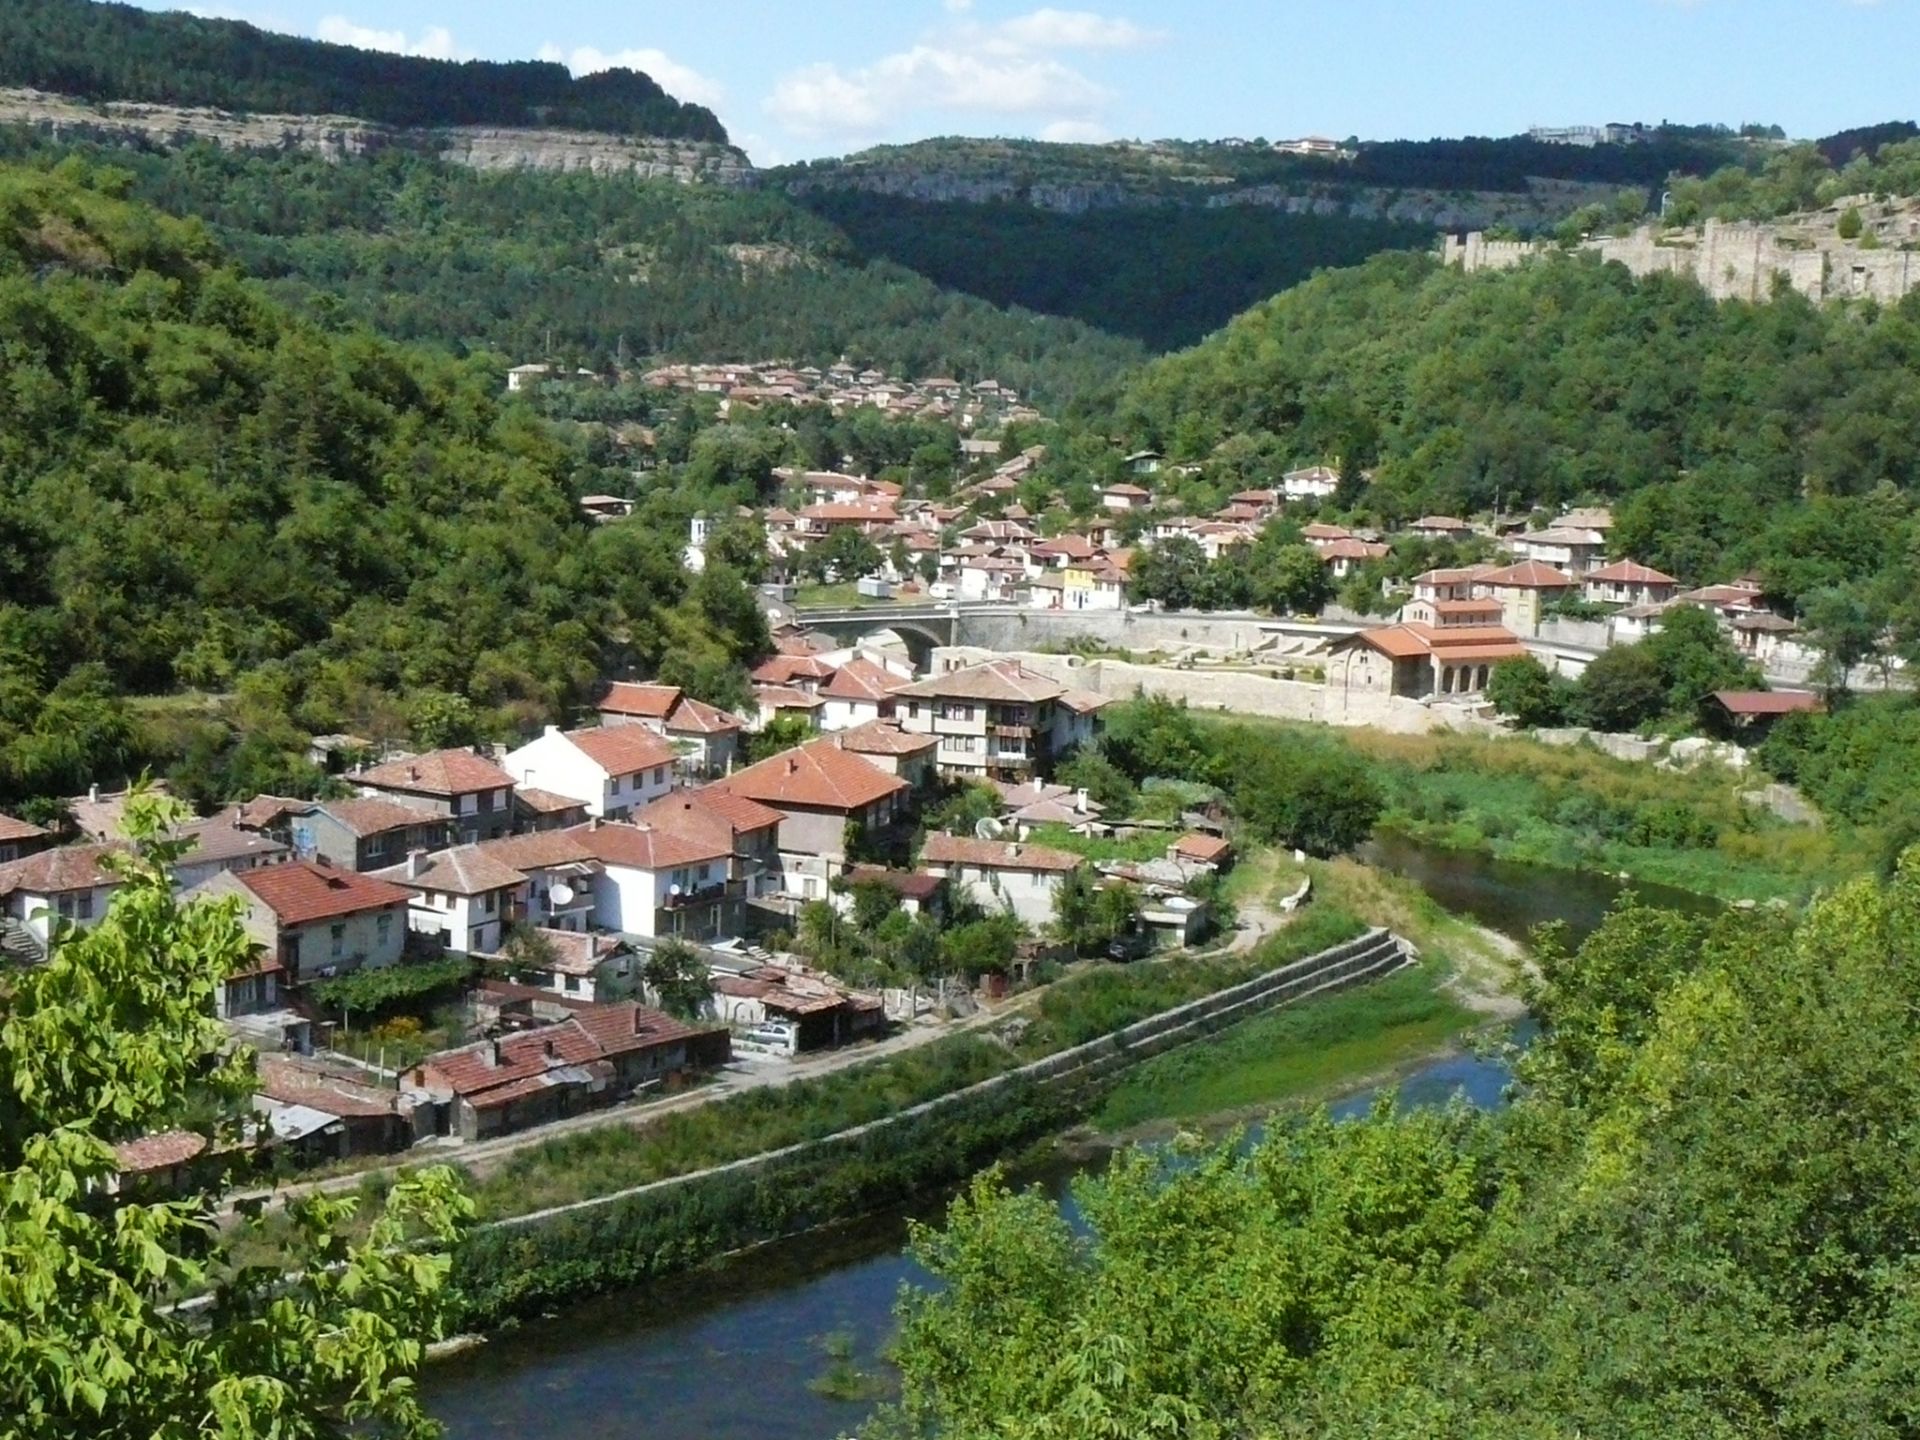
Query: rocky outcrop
x: 338, y: 137
x: 1544, y: 202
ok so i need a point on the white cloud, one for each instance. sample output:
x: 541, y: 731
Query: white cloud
x: 957, y: 7
x: 682, y: 82
x: 435, y: 42
x: 1051, y: 29
x: 1008, y: 69
x: 826, y: 100
x: 1076, y: 132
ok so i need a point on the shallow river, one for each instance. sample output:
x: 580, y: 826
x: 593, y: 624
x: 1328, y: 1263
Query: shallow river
x: 732, y: 1352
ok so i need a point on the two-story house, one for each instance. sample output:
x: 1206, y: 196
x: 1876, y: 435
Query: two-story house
x: 559, y: 871
x: 469, y: 789
x: 366, y: 833
x: 615, y: 769
x: 1628, y: 582
x: 656, y: 881
x: 895, y: 749
x: 748, y: 828
x: 998, y: 720
x: 859, y: 691
x: 822, y: 792
x: 464, y: 898
x: 1524, y: 591
x: 707, y: 737
x: 316, y: 921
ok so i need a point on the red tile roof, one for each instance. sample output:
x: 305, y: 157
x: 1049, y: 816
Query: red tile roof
x: 1768, y: 702
x: 623, y: 749
x: 861, y: 679
x: 370, y: 815
x: 1005, y: 681
x: 785, y: 669
x: 942, y: 849
x: 547, y: 802
x: 1207, y: 849
x: 525, y: 1060
x: 158, y: 1152
x: 56, y: 872
x: 649, y: 847
x: 885, y: 737
x: 463, y: 870
x: 12, y: 829
x: 1527, y: 575
x: 817, y: 776
x: 651, y: 702
x: 1631, y: 572
x: 696, y: 717
x: 442, y: 772
x: 302, y: 891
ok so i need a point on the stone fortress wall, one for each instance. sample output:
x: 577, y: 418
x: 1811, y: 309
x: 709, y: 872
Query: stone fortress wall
x: 1744, y: 260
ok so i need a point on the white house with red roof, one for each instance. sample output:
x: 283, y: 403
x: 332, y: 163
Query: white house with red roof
x: 707, y: 736
x: 1524, y: 591
x: 463, y: 899
x: 821, y: 791
x: 1000, y: 875
x: 73, y: 883
x: 613, y: 768
x: 858, y: 692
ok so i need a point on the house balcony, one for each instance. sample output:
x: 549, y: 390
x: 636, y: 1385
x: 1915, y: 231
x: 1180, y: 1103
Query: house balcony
x: 706, y: 895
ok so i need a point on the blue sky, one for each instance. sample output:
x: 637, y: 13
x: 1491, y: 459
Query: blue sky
x: 796, y: 80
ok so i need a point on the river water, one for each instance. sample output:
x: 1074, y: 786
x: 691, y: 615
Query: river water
x: 735, y: 1351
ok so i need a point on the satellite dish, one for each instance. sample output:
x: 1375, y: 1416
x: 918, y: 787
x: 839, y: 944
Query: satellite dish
x: 989, y: 829
x: 562, y: 894
x: 673, y: 889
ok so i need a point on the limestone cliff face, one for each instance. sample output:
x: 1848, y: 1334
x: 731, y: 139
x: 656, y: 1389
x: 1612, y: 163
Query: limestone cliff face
x: 338, y: 137
x: 1544, y: 202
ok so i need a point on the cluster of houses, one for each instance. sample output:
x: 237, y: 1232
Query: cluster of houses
x: 560, y: 864
x: 842, y: 387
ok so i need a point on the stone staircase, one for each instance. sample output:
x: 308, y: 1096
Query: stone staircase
x: 18, y: 944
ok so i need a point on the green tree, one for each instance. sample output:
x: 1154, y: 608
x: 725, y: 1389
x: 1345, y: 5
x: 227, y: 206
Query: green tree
x: 1846, y: 628
x: 1622, y: 689
x: 1524, y: 690
x: 1849, y: 225
x: 1172, y: 571
x: 678, y: 979
x: 781, y: 733
x: 1314, y: 796
x: 1293, y: 580
x: 115, y: 1038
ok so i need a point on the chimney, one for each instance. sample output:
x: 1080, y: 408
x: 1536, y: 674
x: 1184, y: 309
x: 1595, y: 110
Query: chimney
x: 1080, y: 801
x: 495, y: 1057
x: 547, y: 1048
x: 415, y: 863
x: 593, y: 822
x: 1039, y: 788
x: 551, y: 730
x: 413, y: 772
x: 93, y: 793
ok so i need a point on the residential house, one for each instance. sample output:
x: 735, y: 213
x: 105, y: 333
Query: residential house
x: 1628, y: 582
x: 372, y: 1121
x: 1145, y: 462
x: 822, y: 792
x: 1315, y: 482
x: 614, y: 768
x: 1257, y: 505
x: 656, y: 880
x: 1123, y: 498
x: 990, y: 577
x: 1001, y: 875
x: 1320, y: 534
x: 536, y: 809
x: 593, y: 968
x: 1208, y: 852
x: 475, y: 793
x: 1524, y: 591
x: 859, y: 692
x: 1096, y: 584
x: 707, y: 736
x: 19, y: 839
x: 890, y: 746
x: 749, y: 829
x: 786, y: 702
x: 598, y: 1055
x: 366, y: 833
x: 559, y: 873
x: 915, y: 892
x: 210, y: 846
x: 1454, y: 584
x: 1440, y: 527
x: 1574, y: 551
x: 1448, y: 614
x: 1063, y: 551
x: 996, y: 720
x: 1417, y: 661
x: 461, y: 899
x: 1754, y: 712
x: 1761, y: 635
x: 788, y: 1011
x: 71, y: 883
x: 315, y: 921
x: 1343, y: 557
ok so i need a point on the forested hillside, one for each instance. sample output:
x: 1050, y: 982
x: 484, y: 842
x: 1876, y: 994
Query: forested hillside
x: 1696, y: 1220
x: 102, y: 51
x: 198, y: 488
x: 1165, y: 276
x: 1779, y: 436
x: 520, y: 261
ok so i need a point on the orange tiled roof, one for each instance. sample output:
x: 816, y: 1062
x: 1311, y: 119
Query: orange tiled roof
x: 817, y: 776
x: 441, y: 772
x: 302, y: 891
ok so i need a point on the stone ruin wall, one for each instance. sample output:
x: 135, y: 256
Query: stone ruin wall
x: 1729, y: 260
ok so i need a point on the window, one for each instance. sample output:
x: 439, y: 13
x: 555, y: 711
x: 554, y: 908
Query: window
x: 953, y: 711
x: 337, y: 941
x: 659, y: 774
x: 493, y: 901
x: 385, y: 924
x: 573, y: 984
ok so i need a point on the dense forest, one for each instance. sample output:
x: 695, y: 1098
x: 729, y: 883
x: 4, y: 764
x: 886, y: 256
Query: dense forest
x: 1777, y: 436
x: 1164, y: 276
x: 1883, y: 161
x: 102, y: 51
x: 313, y: 527
x: 591, y: 270
x: 1695, y: 1219
x: 1177, y: 170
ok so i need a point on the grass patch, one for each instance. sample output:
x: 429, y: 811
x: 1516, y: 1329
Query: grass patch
x: 834, y: 595
x: 1301, y: 1052
x: 1148, y: 846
